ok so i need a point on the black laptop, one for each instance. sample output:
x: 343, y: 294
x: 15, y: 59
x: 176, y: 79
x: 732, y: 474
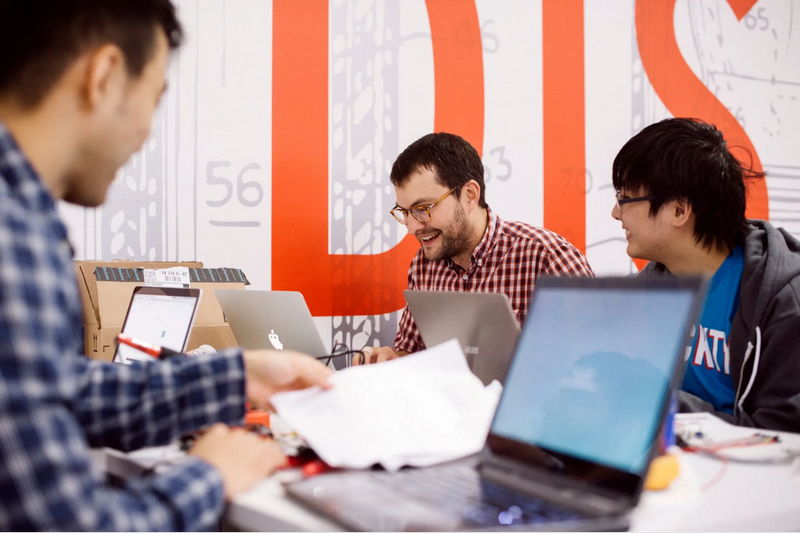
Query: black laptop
x: 576, y: 428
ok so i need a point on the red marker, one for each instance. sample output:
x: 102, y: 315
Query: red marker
x: 256, y: 418
x: 152, y: 350
x: 315, y: 468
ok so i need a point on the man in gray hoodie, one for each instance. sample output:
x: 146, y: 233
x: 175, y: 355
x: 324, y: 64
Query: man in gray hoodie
x: 681, y: 200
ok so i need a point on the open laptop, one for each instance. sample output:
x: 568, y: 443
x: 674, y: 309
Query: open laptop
x: 575, y: 430
x: 483, y: 322
x: 274, y: 320
x: 161, y: 316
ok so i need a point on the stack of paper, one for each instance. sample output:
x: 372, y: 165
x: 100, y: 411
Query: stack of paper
x: 418, y: 410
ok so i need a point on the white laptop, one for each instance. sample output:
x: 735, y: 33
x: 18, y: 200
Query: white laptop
x: 483, y: 322
x: 161, y: 316
x: 274, y: 320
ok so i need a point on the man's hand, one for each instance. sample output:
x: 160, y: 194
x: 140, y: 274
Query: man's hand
x: 242, y: 458
x: 271, y: 371
x: 376, y: 355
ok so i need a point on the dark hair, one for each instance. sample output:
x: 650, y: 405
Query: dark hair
x: 681, y: 158
x: 452, y: 159
x: 40, y: 39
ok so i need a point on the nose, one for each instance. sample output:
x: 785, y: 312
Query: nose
x: 615, y: 212
x: 412, y: 225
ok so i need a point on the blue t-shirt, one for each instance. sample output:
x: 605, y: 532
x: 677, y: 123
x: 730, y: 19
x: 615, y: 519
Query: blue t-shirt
x: 708, y: 358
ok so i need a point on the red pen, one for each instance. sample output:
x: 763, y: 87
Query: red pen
x: 308, y: 467
x: 159, y: 352
x: 315, y: 468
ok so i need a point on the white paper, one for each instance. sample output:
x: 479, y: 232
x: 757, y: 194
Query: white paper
x: 417, y: 410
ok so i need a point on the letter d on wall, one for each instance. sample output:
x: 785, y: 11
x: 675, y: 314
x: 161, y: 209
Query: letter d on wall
x: 335, y: 285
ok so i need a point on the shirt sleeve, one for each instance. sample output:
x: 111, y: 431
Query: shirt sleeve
x: 566, y: 260
x: 54, y: 402
x: 150, y: 404
x: 48, y: 482
x: 408, y: 338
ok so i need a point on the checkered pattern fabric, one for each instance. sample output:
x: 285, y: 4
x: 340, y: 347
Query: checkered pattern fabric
x: 55, y: 403
x: 509, y: 259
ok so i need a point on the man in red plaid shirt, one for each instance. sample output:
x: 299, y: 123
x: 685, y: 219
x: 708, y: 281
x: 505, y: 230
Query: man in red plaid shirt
x: 440, y: 192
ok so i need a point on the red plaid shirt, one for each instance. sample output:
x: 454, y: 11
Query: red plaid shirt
x: 508, y: 259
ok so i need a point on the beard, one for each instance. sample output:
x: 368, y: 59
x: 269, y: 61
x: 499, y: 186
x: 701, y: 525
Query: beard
x: 454, y: 239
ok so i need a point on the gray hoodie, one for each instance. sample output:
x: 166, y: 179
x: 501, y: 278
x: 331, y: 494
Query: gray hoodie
x: 765, y: 335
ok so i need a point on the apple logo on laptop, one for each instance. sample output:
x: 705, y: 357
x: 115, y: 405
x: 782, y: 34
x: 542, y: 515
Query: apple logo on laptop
x: 276, y: 342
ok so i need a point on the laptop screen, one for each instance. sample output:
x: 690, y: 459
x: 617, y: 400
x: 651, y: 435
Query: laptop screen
x: 592, y: 370
x: 161, y: 319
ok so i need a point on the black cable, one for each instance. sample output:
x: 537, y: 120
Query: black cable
x: 346, y: 352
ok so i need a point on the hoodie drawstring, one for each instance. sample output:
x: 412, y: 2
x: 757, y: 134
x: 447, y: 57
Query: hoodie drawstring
x: 740, y: 403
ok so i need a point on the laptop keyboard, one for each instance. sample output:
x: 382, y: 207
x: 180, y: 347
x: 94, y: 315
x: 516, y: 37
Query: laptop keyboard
x: 478, y: 502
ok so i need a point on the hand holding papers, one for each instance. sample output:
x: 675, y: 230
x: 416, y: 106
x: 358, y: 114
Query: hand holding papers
x: 418, y: 410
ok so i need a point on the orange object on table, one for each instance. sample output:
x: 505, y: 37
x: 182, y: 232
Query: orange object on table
x: 316, y: 467
x: 256, y: 418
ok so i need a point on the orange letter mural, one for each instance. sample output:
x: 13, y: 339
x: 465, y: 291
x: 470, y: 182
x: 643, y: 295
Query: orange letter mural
x: 685, y: 95
x: 335, y: 285
x: 564, y: 120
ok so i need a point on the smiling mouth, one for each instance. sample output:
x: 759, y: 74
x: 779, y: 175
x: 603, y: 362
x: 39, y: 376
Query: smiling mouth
x: 428, y: 238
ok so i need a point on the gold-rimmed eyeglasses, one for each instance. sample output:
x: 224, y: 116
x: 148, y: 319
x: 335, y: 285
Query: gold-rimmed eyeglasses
x: 420, y: 212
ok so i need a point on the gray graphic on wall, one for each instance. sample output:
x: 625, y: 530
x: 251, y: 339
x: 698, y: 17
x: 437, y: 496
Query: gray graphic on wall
x: 364, y: 46
x: 133, y: 217
x: 151, y: 199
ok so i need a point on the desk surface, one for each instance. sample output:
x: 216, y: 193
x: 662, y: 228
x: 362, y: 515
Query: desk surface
x: 709, y: 494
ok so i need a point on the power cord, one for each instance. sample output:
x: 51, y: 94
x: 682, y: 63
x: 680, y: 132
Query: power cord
x: 343, y: 350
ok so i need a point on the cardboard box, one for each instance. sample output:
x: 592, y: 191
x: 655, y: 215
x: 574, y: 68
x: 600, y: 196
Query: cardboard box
x: 107, y: 286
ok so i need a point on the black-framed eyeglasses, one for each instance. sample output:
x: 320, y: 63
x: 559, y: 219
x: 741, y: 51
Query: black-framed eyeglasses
x: 421, y: 212
x: 622, y: 200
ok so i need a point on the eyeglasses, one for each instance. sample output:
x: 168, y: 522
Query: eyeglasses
x: 421, y: 212
x: 621, y: 200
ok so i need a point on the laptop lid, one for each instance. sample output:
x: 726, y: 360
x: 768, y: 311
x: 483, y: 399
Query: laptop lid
x: 587, y: 392
x: 161, y: 316
x: 275, y: 320
x: 483, y: 322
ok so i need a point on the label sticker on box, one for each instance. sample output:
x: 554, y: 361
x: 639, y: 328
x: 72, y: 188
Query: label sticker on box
x: 167, y: 277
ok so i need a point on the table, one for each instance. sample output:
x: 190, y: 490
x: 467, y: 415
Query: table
x: 709, y: 494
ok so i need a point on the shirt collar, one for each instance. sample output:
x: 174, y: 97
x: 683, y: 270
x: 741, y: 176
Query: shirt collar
x: 490, y: 237
x: 21, y: 178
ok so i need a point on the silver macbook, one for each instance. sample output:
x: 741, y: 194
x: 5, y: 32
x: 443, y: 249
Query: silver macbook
x: 575, y: 430
x: 275, y: 320
x: 483, y: 322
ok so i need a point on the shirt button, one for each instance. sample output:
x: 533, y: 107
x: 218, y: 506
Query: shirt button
x: 480, y: 262
x: 465, y: 277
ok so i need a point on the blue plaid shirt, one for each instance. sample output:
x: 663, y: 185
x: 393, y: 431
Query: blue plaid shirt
x: 55, y: 403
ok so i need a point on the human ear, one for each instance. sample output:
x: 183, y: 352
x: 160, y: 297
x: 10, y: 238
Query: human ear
x: 104, y: 76
x: 682, y: 212
x: 471, y: 193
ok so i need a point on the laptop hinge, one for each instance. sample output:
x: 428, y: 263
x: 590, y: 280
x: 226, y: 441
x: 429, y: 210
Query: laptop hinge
x: 536, y: 482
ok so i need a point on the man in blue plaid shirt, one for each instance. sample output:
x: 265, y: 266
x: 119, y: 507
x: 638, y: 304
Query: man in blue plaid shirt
x: 79, y: 82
